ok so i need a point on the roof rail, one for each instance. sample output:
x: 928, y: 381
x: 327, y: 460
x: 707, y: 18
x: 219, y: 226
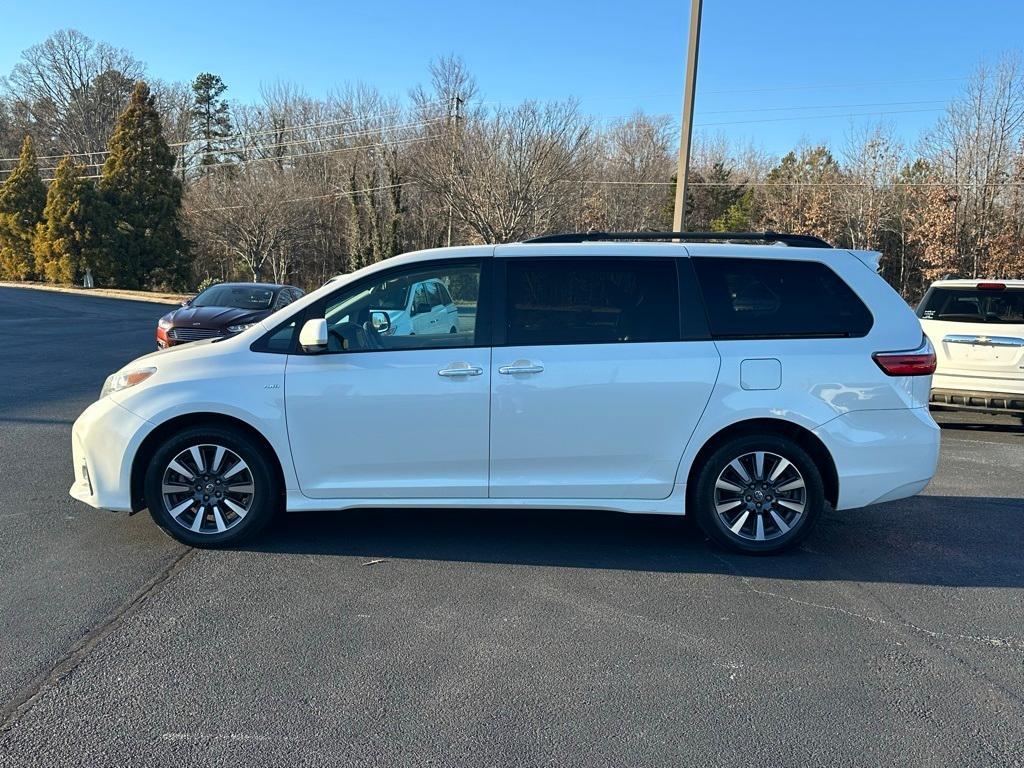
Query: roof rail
x: 800, y: 241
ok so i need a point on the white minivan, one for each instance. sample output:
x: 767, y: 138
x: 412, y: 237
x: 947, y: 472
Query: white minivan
x: 748, y: 385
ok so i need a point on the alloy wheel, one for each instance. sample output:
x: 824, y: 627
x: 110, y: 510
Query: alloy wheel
x: 760, y: 496
x: 207, y: 489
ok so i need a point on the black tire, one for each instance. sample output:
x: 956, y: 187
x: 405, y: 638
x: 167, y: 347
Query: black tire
x: 759, y: 512
x: 261, y: 503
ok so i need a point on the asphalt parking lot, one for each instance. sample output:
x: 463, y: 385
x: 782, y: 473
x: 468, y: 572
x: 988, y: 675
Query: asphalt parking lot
x: 894, y: 636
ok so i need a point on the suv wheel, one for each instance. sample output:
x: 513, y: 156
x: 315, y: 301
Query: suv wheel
x: 758, y: 495
x: 211, y: 487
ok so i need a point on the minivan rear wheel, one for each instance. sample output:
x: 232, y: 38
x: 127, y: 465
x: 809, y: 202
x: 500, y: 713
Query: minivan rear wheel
x: 211, y: 487
x: 758, y: 494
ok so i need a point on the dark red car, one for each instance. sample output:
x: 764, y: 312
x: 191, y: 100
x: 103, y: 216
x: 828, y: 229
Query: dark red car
x: 223, y: 309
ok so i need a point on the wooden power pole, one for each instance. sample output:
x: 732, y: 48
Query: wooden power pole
x: 454, y: 116
x: 686, y: 127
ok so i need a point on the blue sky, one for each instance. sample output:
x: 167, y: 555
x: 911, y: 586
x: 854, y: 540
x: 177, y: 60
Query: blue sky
x: 787, y: 62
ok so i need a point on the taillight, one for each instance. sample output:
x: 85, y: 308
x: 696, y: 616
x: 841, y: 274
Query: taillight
x: 914, y: 362
x: 992, y: 286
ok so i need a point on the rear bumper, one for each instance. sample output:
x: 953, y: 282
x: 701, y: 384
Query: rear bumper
x: 881, y: 455
x: 975, y: 400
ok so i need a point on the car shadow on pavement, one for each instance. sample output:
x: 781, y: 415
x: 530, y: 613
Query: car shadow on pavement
x: 968, y: 421
x: 936, y: 540
x: 1005, y: 429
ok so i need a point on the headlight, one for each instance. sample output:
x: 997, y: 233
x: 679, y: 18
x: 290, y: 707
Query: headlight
x: 165, y: 323
x: 118, y: 381
x: 239, y: 328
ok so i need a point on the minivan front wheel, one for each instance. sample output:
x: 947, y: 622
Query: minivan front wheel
x: 759, y: 495
x: 210, y: 487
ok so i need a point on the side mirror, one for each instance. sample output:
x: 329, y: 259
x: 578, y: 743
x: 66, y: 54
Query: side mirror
x: 187, y: 301
x: 313, y: 336
x: 380, y: 321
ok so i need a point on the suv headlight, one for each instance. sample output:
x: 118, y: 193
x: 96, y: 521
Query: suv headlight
x: 164, y: 323
x: 118, y: 381
x: 240, y: 327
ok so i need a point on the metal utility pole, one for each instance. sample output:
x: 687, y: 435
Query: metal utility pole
x: 455, y: 114
x: 686, y: 128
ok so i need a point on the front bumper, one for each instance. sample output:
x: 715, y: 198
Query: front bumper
x: 881, y: 455
x: 104, y: 441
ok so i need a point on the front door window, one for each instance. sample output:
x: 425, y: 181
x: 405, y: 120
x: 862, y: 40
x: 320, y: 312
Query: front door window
x: 406, y: 311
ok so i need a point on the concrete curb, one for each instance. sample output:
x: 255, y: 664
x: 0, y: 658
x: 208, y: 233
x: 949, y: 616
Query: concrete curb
x: 106, y: 293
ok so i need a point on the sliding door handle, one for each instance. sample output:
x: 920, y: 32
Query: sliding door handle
x: 521, y: 366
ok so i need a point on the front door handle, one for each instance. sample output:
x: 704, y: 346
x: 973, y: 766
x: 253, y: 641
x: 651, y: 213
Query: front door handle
x: 461, y: 369
x: 521, y: 366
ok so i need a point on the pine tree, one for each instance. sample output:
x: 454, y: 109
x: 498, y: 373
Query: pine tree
x: 211, y: 118
x: 738, y: 217
x: 22, y: 198
x: 67, y: 240
x: 709, y: 194
x: 145, y: 242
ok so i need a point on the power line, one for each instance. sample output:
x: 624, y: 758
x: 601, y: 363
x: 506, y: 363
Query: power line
x: 348, y: 193
x: 794, y: 87
x: 324, y: 124
x: 821, y: 106
x: 298, y: 142
x: 349, y: 120
x: 303, y: 156
x: 422, y: 123
x: 358, y: 118
x: 269, y: 131
x: 818, y: 117
x: 810, y: 86
x: 262, y: 147
x: 951, y: 185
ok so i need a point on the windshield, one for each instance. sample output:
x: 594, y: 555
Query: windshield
x: 973, y: 305
x: 237, y: 296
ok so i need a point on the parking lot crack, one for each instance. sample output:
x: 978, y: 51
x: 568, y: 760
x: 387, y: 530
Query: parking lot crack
x: 1002, y: 643
x: 23, y: 701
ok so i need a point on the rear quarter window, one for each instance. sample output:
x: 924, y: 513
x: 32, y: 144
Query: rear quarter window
x: 776, y: 298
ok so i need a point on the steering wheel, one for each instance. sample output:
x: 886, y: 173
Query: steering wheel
x: 373, y: 340
x: 346, y: 337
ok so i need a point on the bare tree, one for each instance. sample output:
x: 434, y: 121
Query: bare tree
x: 174, y: 103
x: 637, y: 163
x: 250, y: 217
x: 310, y: 187
x: 867, y: 196
x: 973, y: 148
x: 73, y: 89
x: 511, y: 168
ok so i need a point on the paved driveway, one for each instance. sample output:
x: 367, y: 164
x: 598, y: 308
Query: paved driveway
x: 895, y: 635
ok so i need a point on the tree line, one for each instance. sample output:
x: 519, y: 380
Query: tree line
x: 150, y: 184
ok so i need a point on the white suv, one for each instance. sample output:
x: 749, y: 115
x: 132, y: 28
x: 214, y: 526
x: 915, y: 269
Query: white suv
x: 425, y: 309
x: 747, y: 385
x: 977, y: 328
